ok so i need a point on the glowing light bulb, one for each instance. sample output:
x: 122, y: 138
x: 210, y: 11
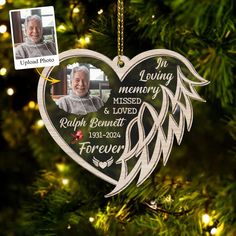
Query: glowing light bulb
x: 61, y: 167
x: 205, y: 219
x: 31, y: 104
x: 3, y: 71
x: 65, y: 181
x: 10, y: 91
x: 76, y: 10
x: 87, y: 39
x: 100, y: 11
x: 83, y: 41
x: 40, y: 123
x: 153, y: 16
x: 61, y: 28
x: 91, y: 219
x: 213, y: 231
x: 3, y: 29
x: 5, y: 35
x: 2, y: 2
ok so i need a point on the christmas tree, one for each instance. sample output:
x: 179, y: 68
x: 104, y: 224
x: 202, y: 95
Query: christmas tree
x: 44, y: 192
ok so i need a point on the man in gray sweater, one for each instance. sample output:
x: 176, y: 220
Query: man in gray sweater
x: 80, y: 102
x: 34, y: 45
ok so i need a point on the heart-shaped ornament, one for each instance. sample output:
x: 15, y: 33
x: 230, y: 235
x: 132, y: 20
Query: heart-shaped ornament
x: 127, y: 119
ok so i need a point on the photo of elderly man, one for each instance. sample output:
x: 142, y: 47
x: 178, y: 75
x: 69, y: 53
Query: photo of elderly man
x: 34, y: 45
x: 80, y: 102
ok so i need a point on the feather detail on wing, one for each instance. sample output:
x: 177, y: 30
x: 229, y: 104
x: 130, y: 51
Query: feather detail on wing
x: 173, y: 105
x: 110, y: 161
x: 103, y: 164
x: 95, y: 161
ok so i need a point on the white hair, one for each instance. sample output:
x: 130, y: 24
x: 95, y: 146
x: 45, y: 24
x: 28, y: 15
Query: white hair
x: 32, y: 18
x: 83, y: 69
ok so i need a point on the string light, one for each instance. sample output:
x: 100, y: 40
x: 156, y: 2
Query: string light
x: 91, y: 219
x: 213, y: 231
x: 68, y: 227
x: 39, y: 123
x: 100, y: 11
x: 83, y: 41
x: 210, y: 225
x: 206, y: 219
x: 3, y: 29
x: 87, y: 39
x: 61, y: 167
x: 61, y: 28
x: 2, y: 2
x: 76, y: 10
x: 31, y: 105
x: 5, y: 35
x: 65, y: 181
x: 153, y: 16
x: 10, y: 91
x: 3, y: 71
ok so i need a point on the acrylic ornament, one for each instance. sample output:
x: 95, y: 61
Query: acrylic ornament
x: 148, y: 106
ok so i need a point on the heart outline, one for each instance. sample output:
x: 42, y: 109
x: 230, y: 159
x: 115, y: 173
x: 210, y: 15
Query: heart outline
x: 120, y: 72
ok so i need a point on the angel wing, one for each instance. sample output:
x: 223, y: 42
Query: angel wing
x: 173, y: 105
x: 110, y: 161
x: 103, y: 164
x: 95, y: 161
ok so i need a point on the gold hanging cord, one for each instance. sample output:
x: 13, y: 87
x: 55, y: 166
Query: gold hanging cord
x: 120, y: 31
